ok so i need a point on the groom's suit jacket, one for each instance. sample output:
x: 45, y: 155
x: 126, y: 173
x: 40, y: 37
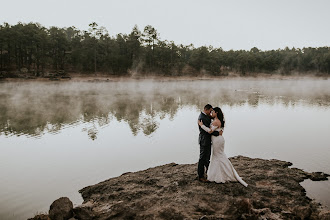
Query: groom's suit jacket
x: 204, y: 137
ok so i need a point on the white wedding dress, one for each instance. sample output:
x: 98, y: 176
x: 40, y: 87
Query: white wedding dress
x: 220, y: 169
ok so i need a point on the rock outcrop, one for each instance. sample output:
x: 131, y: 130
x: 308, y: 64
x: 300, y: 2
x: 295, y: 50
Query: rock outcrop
x: 172, y: 192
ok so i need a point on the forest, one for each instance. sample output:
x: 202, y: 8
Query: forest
x: 34, y: 50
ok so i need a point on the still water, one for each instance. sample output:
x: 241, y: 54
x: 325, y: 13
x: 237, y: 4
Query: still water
x: 56, y: 138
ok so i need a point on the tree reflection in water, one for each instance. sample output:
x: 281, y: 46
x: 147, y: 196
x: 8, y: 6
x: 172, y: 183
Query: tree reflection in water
x: 33, y: 108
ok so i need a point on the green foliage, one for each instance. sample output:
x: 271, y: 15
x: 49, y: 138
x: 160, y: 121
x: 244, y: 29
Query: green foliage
x: 37, y: 49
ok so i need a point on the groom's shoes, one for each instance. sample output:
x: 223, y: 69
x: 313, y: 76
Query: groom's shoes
x: 203, y: 180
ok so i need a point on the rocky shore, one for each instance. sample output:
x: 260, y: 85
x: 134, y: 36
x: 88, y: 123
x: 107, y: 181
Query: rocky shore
x: 172, y: 192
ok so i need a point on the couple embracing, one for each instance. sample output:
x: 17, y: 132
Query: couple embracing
x: 219, y: 168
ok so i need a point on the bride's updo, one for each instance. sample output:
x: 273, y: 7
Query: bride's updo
x: 220, y: 116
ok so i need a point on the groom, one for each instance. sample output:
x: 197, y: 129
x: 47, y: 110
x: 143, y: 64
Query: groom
x: 204, y: 141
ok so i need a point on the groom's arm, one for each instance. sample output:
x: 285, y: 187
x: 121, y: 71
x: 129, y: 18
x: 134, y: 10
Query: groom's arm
x: 215, y: 133
x: 205, y: 122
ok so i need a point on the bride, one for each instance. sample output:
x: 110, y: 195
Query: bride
x: 220, y: 169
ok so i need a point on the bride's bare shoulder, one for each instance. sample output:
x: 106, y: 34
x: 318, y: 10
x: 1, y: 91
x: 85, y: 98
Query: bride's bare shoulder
x: 216, y: 123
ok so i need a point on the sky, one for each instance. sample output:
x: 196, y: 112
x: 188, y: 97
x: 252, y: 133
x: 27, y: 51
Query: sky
x: 231, y: 24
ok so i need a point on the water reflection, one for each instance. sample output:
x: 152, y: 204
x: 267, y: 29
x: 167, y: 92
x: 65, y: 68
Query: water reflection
x: 38, y: 107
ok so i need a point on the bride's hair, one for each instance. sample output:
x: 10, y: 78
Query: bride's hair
x: 220, y: 116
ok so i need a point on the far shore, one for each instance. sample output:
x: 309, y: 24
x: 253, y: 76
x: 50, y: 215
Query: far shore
x: 78, y: 77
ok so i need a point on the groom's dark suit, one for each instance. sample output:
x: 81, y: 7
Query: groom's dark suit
x: 204, y: 141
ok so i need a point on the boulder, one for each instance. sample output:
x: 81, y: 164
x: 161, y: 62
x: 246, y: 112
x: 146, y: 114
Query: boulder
x: 61, y: 209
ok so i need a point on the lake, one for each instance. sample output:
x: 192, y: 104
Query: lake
x: 58, y: 137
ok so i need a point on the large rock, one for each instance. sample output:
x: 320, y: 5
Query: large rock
x: 61, y: 209
x: 171, y: 192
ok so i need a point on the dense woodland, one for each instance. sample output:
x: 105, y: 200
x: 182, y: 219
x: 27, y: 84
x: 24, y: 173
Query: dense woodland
x: 31, y: 49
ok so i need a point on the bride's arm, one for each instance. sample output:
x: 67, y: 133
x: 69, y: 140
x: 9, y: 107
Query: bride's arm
x: 208, y: 130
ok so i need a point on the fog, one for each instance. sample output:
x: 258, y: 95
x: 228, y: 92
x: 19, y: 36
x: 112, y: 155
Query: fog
x: 33, y: 108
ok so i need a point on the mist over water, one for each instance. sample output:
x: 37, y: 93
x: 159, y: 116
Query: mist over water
x: 34, y: 108
x: 58, y: 137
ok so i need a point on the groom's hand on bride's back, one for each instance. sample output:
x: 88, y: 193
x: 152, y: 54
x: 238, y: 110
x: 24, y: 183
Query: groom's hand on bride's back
x: 216, y: 133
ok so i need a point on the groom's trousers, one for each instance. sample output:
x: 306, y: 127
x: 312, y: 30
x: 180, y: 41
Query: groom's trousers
x: 204, y: 159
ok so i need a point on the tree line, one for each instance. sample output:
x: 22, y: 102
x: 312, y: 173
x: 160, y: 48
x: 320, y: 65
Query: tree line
x: 34, y: 49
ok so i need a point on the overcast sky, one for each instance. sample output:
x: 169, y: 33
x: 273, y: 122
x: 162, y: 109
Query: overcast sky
x: 231, y: 24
